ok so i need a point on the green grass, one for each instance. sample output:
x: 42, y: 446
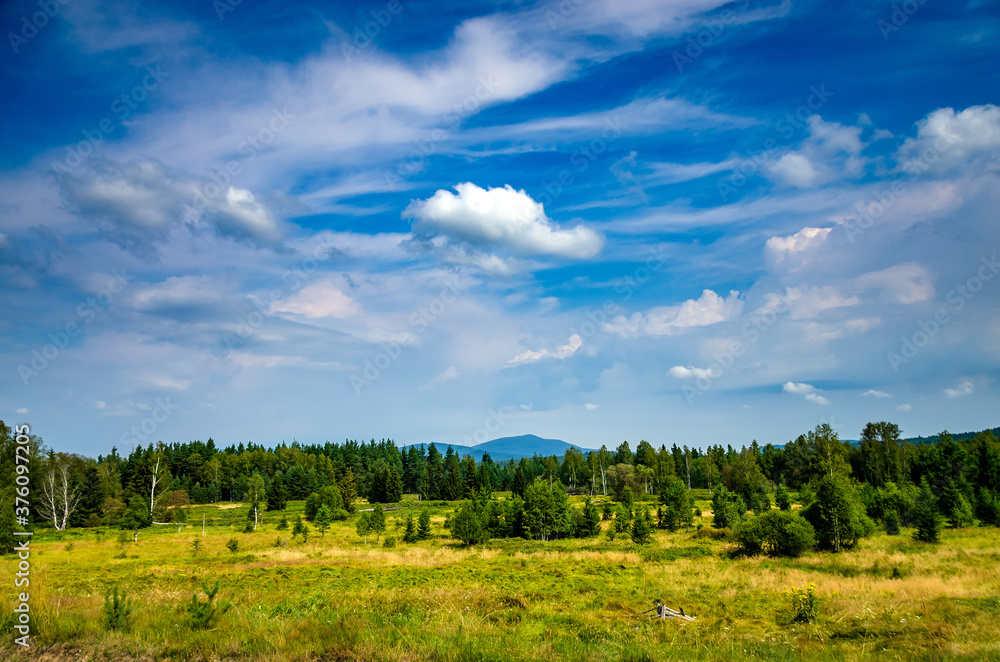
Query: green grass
x: 335, y: 598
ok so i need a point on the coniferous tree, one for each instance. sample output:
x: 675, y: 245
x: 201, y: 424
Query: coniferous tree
x: 782, y: 498
x: 323, y: 519
x: 467, y: 525
x: 348, y: 490
x: 837, y: 514
x: 277, y: 496
x: 642, y: 528
x: 393, y: 486
x: 677, y: 506
x: 890, y: 520
x: 424, y: 525
x: 925, y: 515
x: 410, y: 535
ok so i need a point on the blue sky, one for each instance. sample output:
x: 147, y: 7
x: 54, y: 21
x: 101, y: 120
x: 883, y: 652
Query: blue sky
x: 688, y: 222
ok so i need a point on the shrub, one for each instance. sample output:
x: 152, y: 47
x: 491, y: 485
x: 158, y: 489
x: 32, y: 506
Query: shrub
x: 233, y: 545
x: 196, y: 545
x: 410, y: 535
x: 777, y: 533
x: 283, y: 524
x: 117, y: 611
x: 988, y: 508
x: 389, y: 542
x: 804, y: 604
x: 424, y: 525
x: 782, y: 498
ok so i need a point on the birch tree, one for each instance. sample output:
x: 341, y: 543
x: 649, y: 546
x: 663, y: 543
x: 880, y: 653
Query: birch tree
x: 59, y: 496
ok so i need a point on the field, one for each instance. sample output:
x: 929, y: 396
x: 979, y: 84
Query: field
x: 337, y: 598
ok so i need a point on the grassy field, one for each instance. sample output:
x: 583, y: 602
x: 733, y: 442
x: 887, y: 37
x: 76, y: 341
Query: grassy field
x: 335, y: 598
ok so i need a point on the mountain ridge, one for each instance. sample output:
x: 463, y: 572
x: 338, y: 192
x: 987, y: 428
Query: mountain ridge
x: 509, y: 448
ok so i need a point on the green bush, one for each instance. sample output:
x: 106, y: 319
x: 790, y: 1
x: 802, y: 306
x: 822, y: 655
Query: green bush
x: 777, y: 533
x: 838, y: 515
x: 233, y: 545
x: 890, y: 520
x: 204, y: 614
x: 389, y: 542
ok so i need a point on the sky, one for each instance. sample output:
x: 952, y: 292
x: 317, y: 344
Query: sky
x: 684, y: 221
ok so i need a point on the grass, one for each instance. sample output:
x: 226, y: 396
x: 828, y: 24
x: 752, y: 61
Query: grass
x: 335, y: 598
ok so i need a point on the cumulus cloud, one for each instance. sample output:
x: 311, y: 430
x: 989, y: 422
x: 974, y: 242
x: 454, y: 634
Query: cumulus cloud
x: 562, y: 352
x: 138, y: 204
x: 708, y: 309
x: 810, y: 392
x: 22, y: 410
x: 318, y: 300
x: 832, y: 151
x: 779, y: 248
x: 807, y: 302
x: 875, y: 393
x: 499, y: 218
x: 965, y: 388
x: 445, y: 375
x: 946, y: 139
x: 904, y: 407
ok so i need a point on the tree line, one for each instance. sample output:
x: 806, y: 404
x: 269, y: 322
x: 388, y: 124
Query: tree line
x: 155, y: 482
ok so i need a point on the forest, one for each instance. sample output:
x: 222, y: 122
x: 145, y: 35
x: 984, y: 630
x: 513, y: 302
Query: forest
x: 158, y: 483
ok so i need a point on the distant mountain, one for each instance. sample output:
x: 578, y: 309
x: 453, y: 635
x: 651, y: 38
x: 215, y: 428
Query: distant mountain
x: 510, y: 448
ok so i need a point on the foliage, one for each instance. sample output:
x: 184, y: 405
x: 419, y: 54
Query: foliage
x: 204, y: 614
x: 642, y: 528
x: 804, y: 604
x: 837, y: 515
x: 467, y: 525
x: 678, y: 507
x: 782, y: 499
x: 890, y: 521
x: 410, y: 535
x: 137, y: 515
x: 424, y: 525
x: 775, y: 532
x: 925, y: 515
x: 389, y: 542
x: 323, y: 519
x: 728, y: 508
x: 588, y: 521
x: 233, y: 545
x: 195, y: 546
x: 328, y: 496
x: 117, y: 611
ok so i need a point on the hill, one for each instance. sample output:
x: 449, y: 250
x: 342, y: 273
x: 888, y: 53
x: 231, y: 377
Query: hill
x: 511, y: 448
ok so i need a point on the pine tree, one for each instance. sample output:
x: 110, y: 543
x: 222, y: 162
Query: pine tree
x: 277, y: 496
x: 393, y: 486
x: 782, y: 498
x: 410, y: 535
x: 323, y: 519
x: 424, y: 525
x: 890, y: 520
x: 925, y: 515
x: 642, y: 528
x: 348, y: 490
x: 591, y: 520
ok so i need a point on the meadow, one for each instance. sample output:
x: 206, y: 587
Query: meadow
x: 336, y: 598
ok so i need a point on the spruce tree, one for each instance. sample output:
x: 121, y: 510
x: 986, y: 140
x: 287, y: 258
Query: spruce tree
x: 782, y: 498
x: 424, y: 525
x: 925, y: 515
x: 642, y: 528
x: 277, y: 496
x: 348, y: 490
x: 890, y: 520
x: 410, y: 535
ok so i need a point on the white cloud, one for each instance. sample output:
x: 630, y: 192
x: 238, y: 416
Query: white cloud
x: 874, y: 393
x: 562, y: 352
x: 810, y: 392
x: 708, y: 309
x: 318, y: 300
x: 807, y: 302
x: 22, y: 410
x: 500, y: 217
x: 946, y: 139
x: 589, y: 406
x: 781, y: 247
x: 832, y: 151
x: 964, y: 388
x: 690, y: 372
x: 903, y: 283
x: 904, y: 407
